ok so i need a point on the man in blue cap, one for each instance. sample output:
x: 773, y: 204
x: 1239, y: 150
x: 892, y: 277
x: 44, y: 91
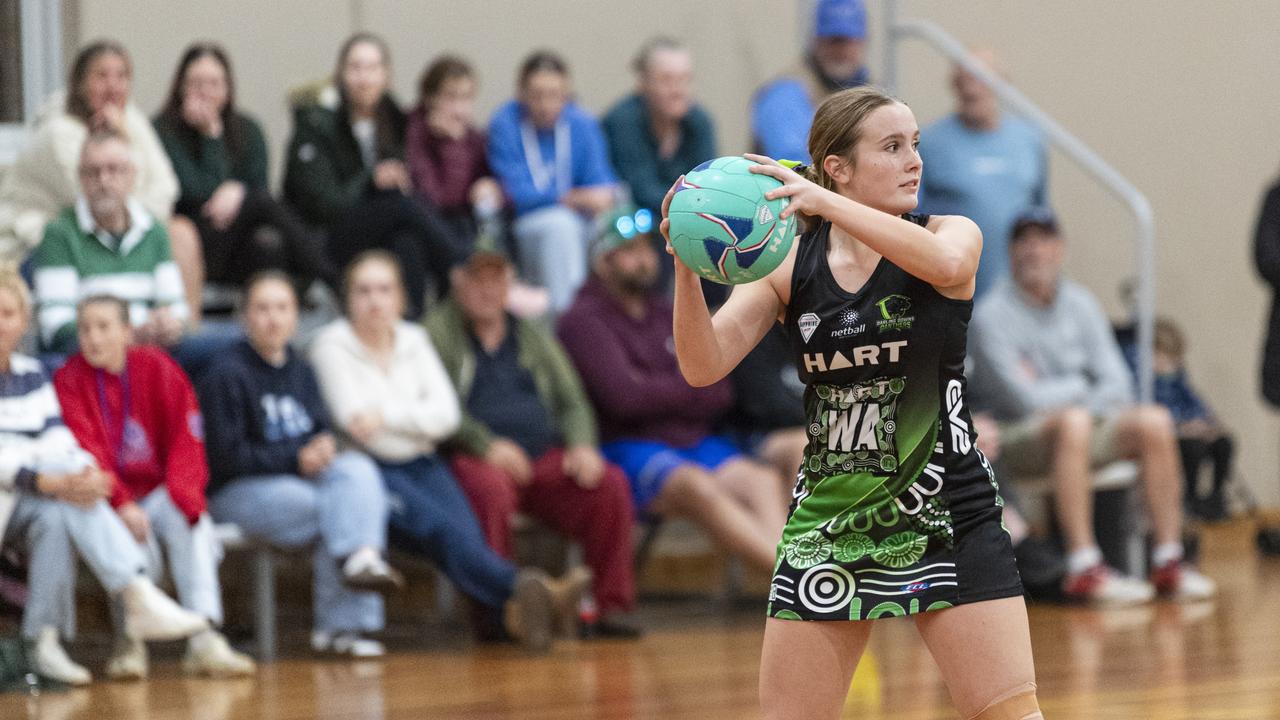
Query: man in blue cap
x: 783, y: 109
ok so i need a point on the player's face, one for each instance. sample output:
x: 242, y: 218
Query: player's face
x: 107, y: 82
x: 1036, y: 258
x: 364, y: 76
x: 13, y: 322
x: 886, y: 168
x: 104, y: 336
x: 271, y: 316
x: 482, y: 291
x: 544, y: 95
x: 375, y: 298
x: 667, y: 84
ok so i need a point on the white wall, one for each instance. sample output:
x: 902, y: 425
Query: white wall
x: 1173, y: 93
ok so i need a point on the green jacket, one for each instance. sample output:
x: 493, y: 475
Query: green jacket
x: 325, y: 174
x: 202, y: 163
x: 557, y: 382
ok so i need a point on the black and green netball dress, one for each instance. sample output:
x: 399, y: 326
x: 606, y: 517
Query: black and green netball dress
x: 895, y: 511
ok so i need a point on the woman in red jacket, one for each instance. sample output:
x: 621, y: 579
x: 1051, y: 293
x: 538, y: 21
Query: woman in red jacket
x: 134, y: 410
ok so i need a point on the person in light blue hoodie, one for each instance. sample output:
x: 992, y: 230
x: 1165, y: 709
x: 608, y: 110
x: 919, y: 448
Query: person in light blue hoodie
x: 551, y: 158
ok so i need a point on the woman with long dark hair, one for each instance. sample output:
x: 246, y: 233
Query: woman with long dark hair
x: 220, y: 157
x: 346, y: 173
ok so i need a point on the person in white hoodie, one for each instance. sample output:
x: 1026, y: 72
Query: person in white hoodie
x: 44, y: 180
x: 389, y: 395
x: 52, y: 506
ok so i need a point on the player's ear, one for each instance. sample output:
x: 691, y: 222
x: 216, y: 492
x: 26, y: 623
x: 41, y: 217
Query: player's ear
x: 839, y: 169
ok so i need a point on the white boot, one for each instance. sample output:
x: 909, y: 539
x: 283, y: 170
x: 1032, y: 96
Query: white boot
x: 209, y: 653
x: 128, y: 660
x: 51, y: 660
x: 152, y: 615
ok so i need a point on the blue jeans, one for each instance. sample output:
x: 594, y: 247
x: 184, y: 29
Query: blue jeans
x: 338, y: 512
x: 430, y: 516
x: 53, y: 533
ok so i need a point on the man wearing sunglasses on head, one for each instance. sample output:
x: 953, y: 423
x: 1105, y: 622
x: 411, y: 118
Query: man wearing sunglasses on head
x: 657, y: 428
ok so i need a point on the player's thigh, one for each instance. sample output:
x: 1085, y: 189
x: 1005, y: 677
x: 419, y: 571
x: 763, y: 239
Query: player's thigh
x: 983, y: 650
x: 806, y: 667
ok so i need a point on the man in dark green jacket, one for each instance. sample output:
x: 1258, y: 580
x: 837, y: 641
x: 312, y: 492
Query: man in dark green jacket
x: 527, y: 442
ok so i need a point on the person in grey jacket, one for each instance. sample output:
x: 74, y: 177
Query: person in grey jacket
x: 1047, y: 365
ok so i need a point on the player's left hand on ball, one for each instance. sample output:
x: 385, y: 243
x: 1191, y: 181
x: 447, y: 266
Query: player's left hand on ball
x: 664, y: 227
x: 803, y: 195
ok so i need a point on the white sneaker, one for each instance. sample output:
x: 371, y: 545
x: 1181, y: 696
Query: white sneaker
x: 366, y: 569
x: 152, y: 615
x: 1104, y: 587
x: 129, y: 660
x: 1180, y: 581
x: 51, y: 661
x: 210, y: 654
x: 349, y: 644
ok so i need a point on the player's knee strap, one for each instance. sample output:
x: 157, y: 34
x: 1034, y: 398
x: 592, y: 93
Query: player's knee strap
x: 1018, y: 703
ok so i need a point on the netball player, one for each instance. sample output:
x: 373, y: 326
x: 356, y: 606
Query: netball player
x: 895, y: 512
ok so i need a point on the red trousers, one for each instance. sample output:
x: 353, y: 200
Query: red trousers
x: 599, y: 519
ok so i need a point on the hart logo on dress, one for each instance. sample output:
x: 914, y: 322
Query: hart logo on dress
x: 808, y: 322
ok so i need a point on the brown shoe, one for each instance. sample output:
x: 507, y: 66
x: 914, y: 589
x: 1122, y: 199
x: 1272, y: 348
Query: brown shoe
x: 568, y: 591
x: 529, y: 614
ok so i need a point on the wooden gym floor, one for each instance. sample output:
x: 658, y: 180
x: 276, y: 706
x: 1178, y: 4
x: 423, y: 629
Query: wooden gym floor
x: 699, y: 660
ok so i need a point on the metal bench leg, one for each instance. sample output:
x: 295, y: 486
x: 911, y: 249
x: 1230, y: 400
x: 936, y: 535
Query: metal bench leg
x: 264, y: 592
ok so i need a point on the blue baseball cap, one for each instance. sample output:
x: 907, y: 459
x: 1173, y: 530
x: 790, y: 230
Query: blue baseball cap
x: 840, y: 19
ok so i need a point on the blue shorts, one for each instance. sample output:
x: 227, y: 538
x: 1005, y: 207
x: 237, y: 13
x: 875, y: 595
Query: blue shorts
x: 648, y: 463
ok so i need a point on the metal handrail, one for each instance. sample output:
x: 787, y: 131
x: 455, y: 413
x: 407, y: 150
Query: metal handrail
x: 1071, y: 146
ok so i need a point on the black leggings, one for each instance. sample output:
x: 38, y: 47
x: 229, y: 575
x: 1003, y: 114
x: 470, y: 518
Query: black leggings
x: 266, y: 235
x: 406, y: 228
x: 1195, y: 451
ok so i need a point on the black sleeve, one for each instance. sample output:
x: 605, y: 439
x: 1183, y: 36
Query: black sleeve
x: 1266, y: 238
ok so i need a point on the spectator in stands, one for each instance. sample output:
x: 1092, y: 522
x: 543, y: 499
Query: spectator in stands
x: 390, y: 396
x: 45, y: 178
x: 551, y: 157
x: 985, y: 165
x: 1201, y: 435
x: 654, y: 426
x: 768, y: 410
x: 107, y: 242
x: 782, y: 110
x: 527, y: 438
x: 220, y: 157
x: 346, y: 172
x: 446, y: 152
x: 659, y: 133
x: 52, y: 506
x: 1047, y: 365
x: 135, y: 412
x: 271, y: 445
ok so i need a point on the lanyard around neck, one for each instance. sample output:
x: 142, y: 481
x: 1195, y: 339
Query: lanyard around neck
x: 105, y: 408
x: 544, y: 173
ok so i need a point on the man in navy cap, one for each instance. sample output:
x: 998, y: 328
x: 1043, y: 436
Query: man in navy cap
x: 783, y: 109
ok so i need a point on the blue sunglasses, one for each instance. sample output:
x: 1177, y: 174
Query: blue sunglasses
x: 628, y: 226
